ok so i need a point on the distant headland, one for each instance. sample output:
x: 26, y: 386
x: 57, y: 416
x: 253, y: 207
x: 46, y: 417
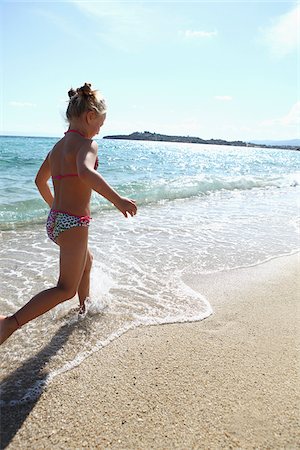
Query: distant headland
x: 148, y: 136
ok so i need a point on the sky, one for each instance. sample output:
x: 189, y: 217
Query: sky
x: 211, y: 69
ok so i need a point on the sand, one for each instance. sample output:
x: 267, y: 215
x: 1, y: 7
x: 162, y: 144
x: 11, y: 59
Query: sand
x: 230, y: 381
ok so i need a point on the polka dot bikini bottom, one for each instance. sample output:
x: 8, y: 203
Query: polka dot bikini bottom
x: 59, y: 221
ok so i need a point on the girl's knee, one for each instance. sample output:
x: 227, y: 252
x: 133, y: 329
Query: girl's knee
x: 67, y: 292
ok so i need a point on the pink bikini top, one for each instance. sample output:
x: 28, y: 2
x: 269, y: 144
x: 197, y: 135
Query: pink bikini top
x: 59, y: 177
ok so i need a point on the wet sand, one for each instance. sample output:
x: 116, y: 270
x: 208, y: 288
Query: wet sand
x: 230, y: 381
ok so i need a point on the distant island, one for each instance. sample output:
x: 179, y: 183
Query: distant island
x: 148, y: 136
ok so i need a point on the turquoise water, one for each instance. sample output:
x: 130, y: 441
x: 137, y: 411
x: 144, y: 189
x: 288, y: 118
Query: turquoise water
x: 202, y: 209
x: 151, y: 172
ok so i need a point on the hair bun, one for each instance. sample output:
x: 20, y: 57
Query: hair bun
x: 85, y: 90
x: 84, y: 99
x: 71, y: 93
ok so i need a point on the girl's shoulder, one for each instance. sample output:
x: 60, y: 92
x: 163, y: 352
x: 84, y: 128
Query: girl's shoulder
x: 55, y: 147
x: 89, y: 146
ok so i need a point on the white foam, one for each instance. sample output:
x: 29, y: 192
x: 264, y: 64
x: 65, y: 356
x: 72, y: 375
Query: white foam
x: 138, y: 268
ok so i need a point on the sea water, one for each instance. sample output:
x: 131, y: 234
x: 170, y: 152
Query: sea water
x: 201, y: 209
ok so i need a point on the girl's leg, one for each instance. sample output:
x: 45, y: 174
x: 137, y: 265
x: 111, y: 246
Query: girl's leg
x: 73, y: 249
x: 84, y: 285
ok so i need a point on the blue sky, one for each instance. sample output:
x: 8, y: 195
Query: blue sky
x: 210, y: 69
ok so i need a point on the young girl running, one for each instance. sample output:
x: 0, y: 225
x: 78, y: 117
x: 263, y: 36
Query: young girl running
x: 72, y: 164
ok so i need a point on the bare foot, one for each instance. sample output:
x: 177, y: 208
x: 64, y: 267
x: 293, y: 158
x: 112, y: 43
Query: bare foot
x: 82, y: 307
x: 8, y: 326
x: 81, y: 311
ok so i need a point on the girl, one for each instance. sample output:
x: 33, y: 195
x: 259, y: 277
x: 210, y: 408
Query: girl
x: 72, y: 163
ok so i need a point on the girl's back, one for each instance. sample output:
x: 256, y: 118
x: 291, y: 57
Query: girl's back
x: 71, y: 194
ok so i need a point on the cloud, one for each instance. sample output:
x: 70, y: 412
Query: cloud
x: 130, y: 26
x: 62, y: 23
x: 191, y: 34
x: 122, y: 25
x: 283, y: 36
x: 291, y: 119
x: 293, y: 116
x: 223, y: 98
x: 116, y: 12
x: 22, y: 104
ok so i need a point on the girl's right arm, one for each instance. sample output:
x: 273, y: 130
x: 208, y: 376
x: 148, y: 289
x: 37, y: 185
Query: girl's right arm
x: 86, y: 159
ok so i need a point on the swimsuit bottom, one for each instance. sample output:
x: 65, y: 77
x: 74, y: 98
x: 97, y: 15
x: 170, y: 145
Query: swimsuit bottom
x: 59, y: 221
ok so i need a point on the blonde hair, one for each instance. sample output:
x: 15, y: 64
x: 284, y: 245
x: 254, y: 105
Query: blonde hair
x: 84, y: 99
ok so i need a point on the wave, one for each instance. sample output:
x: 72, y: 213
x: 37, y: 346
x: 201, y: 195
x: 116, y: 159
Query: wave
x: 204, y: 185
x: 20, y: 213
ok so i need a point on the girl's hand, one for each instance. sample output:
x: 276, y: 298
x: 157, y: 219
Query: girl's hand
x: 126, y: 206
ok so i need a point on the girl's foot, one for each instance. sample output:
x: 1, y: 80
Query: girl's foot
x: 8, y: 325
x: 81, y: 309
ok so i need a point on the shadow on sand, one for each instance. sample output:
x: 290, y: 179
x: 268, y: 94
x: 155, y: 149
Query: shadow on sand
x: 30, y: 377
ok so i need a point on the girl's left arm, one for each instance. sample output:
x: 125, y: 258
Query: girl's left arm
x: 41, y: 180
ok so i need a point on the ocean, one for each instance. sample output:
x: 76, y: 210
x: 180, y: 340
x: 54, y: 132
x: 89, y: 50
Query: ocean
x: 201, y: 209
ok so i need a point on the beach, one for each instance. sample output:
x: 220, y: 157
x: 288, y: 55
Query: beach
x: 229, y: 381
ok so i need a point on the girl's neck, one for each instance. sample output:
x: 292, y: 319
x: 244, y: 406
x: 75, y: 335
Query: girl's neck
x: 71, y: 130
x: 78, y: 128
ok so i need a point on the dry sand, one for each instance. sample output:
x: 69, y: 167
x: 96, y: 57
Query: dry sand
x: 229, y: 381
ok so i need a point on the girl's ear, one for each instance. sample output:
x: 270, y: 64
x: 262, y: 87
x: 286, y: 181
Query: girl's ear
x: 90, y: 115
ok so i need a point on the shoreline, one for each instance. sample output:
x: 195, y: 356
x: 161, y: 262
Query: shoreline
x: 229, y: 381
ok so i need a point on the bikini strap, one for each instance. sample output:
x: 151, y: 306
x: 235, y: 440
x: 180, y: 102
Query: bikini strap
x: 59, y: 177
x: 75, y: 131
